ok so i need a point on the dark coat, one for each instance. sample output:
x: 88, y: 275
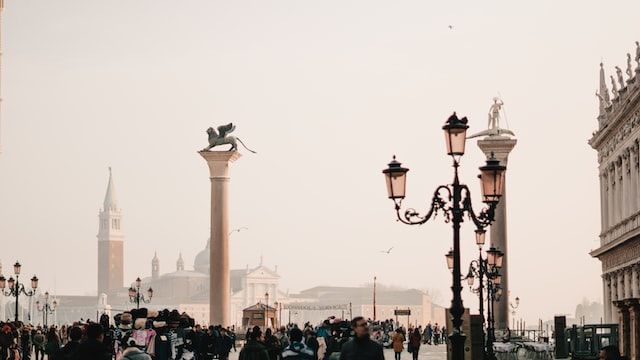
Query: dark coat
x: 67, y: 352
x: 254, y: 350
x: 92, y: 349
x: 361, y: 349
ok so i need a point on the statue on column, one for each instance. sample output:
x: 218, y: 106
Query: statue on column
x: 620, y: 78
x: 629, y: 67
x: 614, y: 86
x: 493, y: 124
x: 222, y: 137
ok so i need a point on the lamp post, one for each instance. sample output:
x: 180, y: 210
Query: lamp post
x: 46, y: 308
x: 488, y: 268
x: 266, y: 310
x: 136, y: 296
x: 374, y: 297
x: 453, y: 200
x: 16, y: 287
x: 494, y: 291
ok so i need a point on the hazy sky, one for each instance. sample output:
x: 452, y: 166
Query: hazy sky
x: 325, y: 91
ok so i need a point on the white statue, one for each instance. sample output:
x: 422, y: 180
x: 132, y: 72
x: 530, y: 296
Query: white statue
x: 494, y: 113
x: 629, y: 70
x: 614, y: 86
x: 638, y: 53
x: 620, y: 78
x: 493, y: 125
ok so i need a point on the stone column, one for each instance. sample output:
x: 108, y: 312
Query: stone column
x: 634, y: 327
x: 627, y: 283
x: 606, y: 299
x: 620, y: 285
x: 500, y: 146
x: 635, y: 289
x: 614, y: 298
x: 633, y: 175
x: 624, y: 328
x: 219, y: 277
x: 604, y: 202
x: 635, y: 169
x: 612, y: 194
x: 619, y: 190
x: 626, y: 188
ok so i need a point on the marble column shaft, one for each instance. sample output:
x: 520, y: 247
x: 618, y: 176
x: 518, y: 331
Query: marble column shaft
x: 219, y: 275
x: 500, y: 147
x: 606, y: 284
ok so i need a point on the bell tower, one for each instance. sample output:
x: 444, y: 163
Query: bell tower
x: 110, y: 243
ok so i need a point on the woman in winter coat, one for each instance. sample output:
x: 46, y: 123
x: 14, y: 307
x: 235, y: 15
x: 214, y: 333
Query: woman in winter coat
x: 398, y: 343
x: 414, y: 343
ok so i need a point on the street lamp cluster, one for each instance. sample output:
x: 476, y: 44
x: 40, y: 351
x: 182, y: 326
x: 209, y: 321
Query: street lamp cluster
x: 136, y: 296
x: 47, y: 308
x: 16, y: 288
x: 487, y: 270
x: 454, y: 201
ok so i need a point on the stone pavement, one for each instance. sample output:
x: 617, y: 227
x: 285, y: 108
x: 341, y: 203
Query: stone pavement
x: 426, y: 353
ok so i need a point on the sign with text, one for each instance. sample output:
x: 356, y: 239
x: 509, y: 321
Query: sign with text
x: 402, y: 312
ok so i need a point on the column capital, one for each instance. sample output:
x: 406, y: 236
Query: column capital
x: 500, y: 146
x: 219, y: 162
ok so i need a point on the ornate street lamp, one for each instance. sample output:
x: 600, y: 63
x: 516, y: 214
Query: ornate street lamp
x: 136, y: 296
x: 47, y: 308
x: 16, y: 288
x: 453, y: 200
x: 486, y: 268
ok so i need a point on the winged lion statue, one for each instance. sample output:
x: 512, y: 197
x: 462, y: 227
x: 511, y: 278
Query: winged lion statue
x: 222, y: 137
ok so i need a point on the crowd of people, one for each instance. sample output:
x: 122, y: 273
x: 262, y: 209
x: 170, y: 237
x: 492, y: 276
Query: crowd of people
x: 139, y: 334
x: 142, y: 334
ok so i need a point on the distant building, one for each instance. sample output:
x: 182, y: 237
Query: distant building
x: 359, y: 301
x: 110, y: 243
x: 617, y: 142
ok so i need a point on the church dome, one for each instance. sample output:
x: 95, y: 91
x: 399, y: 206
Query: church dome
x: 201, y: 263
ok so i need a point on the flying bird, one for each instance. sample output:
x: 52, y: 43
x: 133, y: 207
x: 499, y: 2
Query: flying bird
x: 387, y: 251
x: 238, y: 229
x: 450, y: 27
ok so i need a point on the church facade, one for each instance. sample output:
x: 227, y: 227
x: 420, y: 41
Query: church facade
x: 617, y: 142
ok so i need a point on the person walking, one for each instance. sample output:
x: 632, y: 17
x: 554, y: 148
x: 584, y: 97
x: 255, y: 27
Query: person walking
x: 39, y: 341
x: 361, y: 347
x: 93, y: 348
x: 398, y: 343
x: 53, y: 343
x: 254, y: 349
x: 414, y: 343
x: 68, y: 351
x: 297, y: 350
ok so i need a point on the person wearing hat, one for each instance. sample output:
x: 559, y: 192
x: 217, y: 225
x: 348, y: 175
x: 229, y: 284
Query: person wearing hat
x: 254, y: 349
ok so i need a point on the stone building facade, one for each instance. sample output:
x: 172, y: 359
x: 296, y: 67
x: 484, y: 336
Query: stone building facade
x: 617, y: 142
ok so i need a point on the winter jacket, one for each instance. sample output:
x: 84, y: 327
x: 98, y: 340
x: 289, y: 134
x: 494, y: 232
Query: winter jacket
x: 361, y: 349
x: 92, y: 349
x: 297, y: 351
x: 254, y: 350
x: 133, y: 353
x: 67, y: 352
x: 398, y: 342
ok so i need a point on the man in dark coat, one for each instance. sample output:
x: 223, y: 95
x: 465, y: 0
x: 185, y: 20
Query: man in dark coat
x: 93, y: 348
x: 68, y: 351
x: 361, y: 347
x: 254, y: 349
